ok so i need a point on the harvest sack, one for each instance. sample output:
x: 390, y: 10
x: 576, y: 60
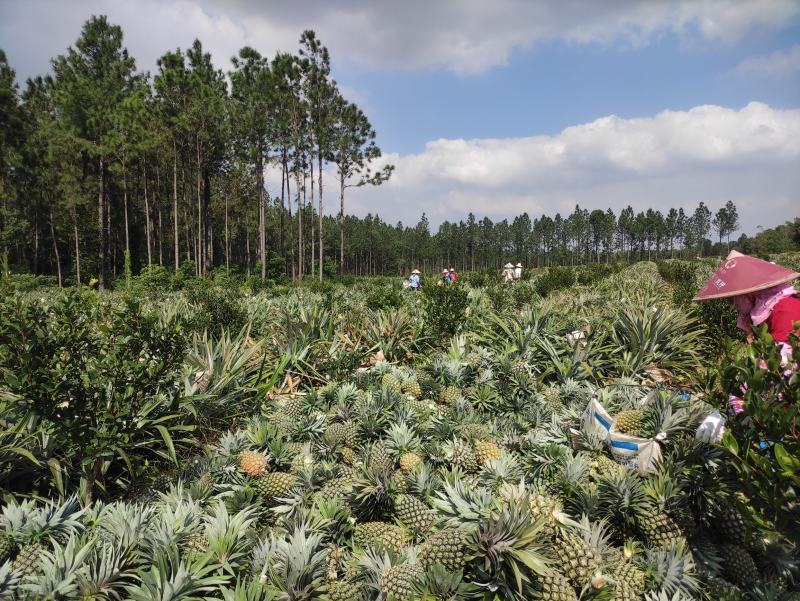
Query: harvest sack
x: 640, y: 454
x: 597, y: 419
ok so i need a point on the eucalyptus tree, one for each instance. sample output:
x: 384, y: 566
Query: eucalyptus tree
x: 701, y: 225
x: 11, y: 137
x: 726, y: 221
x: 353, y: 149
x: 92, y: 79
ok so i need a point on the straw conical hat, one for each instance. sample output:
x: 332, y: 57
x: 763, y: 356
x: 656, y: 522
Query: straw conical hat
x: 740, y: 274
x: 509, y: 266
x: 415, y: 271
x: 519, y: 264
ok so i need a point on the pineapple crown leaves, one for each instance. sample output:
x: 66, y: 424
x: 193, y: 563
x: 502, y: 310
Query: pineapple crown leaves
x: 497, y: 472
x: 30, y: 522
x: 402, y: 439
x: 622, y: 498
x: 9, y: 580
x: 295, y: 564
x: 245, y: 590
x: 462, y: 506
x: 505, y: 546
x: 438, y: 583
x: 229, y: 541
x: 673, y: 568
x: 60, y: 570
x: 125, y: 525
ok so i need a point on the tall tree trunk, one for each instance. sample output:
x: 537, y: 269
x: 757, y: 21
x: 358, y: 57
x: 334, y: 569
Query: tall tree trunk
x: 227, y: 245
x: 175, y: 204
x: 208, y: 227
x: 298, y: 191
x: 125, y: 206
x: 262, y: 216
x: 147, y: 219
x: 200, y: 246
x: 284, y: 176
x: 321, y: 249
x: 77, y: 247
x: 101, y: 222
x: 341, y: 224
x: 311, y: 211
x: 55, y: 249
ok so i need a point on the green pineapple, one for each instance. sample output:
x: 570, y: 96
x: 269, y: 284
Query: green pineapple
x: 730, y: 525
x: 445, y: 547
x: 603, y: 465
x: 274, y: 485
x: 29, y: 558
x: 380, y: 458
x: 336, y: 488
x: 738, y: 565
x: 335, y: 434
x: 554, y: 588
x: 413, y: 513
x: 7, y: 546
x: 344, y: 590
x: 631, y: 421
x: 398, y: 581
x: 718, y: 588
x: 658, y: 528
x: 402, y: 442
x: 399, y: 481
x: 382, y: 533
x: 408, y: 461
x: 196, y: 543
x: 474, y: 432
x: 551, y: 397
x: 576, y: 558
x: 460, y: 454
x: 349, y: 456
x: 630, y: 580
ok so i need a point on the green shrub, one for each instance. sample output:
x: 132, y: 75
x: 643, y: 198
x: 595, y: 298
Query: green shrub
x: 445, y: 308
x: 218, y: 307
x: 556, y: 278
x: 101, y: 378
x: 384, y: 296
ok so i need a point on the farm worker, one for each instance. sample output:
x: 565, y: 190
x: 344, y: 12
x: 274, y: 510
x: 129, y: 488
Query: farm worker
x: 518, y: 271
x: 445, y: 275
x: 761, y: 293
x: 414, y: 280
x: 508, y: 273
x: 453, y: 275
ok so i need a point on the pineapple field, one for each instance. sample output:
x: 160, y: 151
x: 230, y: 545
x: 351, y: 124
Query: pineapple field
x: 357, y: 441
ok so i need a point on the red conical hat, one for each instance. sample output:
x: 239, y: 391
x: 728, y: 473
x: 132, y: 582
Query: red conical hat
x: 740, y: 274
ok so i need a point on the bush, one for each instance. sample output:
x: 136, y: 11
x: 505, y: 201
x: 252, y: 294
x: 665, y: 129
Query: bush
x: 384, y: 296
x: 556, y: 278
x: 102, y: 379
x: 218, y: 307
x: 445, y: 308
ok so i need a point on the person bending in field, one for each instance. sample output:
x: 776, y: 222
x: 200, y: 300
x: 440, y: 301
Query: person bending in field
x: 414, y: 281
x: 762, y: 293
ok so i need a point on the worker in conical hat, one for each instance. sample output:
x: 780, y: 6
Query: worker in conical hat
x: 414, y: 280
x: 508, y: 273
x: 760, y: 291
x: 518, y: 271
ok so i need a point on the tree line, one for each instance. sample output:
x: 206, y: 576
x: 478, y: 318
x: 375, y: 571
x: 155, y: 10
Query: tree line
x: 104, y: 167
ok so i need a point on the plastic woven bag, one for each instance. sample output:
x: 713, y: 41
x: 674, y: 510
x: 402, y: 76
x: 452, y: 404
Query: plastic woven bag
x: 597, y: 419
x: 640, y: 454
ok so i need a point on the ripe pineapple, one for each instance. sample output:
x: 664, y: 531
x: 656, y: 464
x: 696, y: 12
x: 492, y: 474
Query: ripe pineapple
x: 554, y: 588
x: 730, y: 525
x: 486, y: 451
x: 253, y: 463
x: 631, y: 421
x: 630, y: 580
x: 274, y: 485
x: 408, y: 461
x: 392, y: 382
x: 412, y: 388
x: 413, y: 513
x: 576, y: 558
x: 349, y: 456
x: 449, y: 395
x: 399, y: 481
x: 460, y: 454
x: 542, y: 506
x: 380, y: 458
x: 382, y: 533
x: 445, y: 547
x: 345, y: 590
x: 738, y: 565
x: 398, y: 581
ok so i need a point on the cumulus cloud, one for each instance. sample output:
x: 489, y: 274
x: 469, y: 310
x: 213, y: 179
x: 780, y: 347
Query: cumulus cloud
x: 465, y: 36
x: 777, y: 64
x: 675, y: 158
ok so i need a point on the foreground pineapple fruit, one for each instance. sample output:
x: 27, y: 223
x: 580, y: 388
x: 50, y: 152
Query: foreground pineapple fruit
x: 28, y: 559
x: 274, y: 485
x: 380, y: 458
x: 486, y: 451
x: 344, y: 590
x: 412, y: 388
x: 449, y: 395
x: 547, y: 509
x: 554, y: 588
x: 460, y: 454
x: 253, y: 463
x: 445, y: 547
x: 392, y: 382
x: 7, y: 547
x: 576, y: 558
x: 408, y: 461
x: 413, y: 513
x: 382, y: 533
x: 659, y: 529
x: 398, y: 581
x: 730, y: 525
x: 631, y: 421
x: 551, y: 397
x: 630, y: 580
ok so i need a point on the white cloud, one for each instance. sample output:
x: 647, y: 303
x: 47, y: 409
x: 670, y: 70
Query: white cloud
x: 675, y: 158
x: 465, y: 36
x: 777, y: 64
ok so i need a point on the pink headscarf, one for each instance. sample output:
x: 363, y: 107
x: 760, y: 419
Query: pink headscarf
x: 754, y: 309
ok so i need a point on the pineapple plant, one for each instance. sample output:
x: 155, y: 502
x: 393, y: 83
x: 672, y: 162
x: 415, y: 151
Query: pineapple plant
x: 253, y: 463
x: 404, y: 444
x: 413, y: 513
x: 738, y: 565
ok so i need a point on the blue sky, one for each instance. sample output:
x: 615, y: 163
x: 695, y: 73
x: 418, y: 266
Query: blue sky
x: 514, y: 106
